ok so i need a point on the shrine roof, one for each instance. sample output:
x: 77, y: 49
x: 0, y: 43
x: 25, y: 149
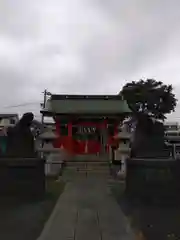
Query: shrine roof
x: 86, y: 105
x: 85, y: 97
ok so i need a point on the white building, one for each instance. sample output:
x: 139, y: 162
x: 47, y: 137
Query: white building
x: 174, y: 126
x: 7, y: 120
x: 172, y: 129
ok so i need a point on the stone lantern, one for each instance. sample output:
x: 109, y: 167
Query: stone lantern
x: 54, y: 156
x: 122, y: 151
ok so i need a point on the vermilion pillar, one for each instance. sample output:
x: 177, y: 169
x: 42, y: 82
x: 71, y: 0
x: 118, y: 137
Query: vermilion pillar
x: 104, y: 139
x: 116, y: 130
x: 106, y: 134
x: 58, y: 132
x: 70, y: 146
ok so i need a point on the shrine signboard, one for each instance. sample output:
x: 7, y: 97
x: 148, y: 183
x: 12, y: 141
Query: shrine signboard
x: 86, y: 130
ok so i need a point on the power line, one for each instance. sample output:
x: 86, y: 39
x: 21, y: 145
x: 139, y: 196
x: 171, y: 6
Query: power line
x: 21, y: 105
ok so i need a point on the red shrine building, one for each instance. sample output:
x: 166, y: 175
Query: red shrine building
x: 86, y: 124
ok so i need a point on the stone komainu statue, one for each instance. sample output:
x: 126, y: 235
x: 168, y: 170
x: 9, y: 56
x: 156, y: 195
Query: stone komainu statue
x: 148, y: 139
x: 20, y: 141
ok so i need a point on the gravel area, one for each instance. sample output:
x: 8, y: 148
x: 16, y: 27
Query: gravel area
x: 155, y: 221
x: 26, y: 220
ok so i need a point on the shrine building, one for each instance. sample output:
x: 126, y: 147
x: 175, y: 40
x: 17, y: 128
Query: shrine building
x: 86, y: 124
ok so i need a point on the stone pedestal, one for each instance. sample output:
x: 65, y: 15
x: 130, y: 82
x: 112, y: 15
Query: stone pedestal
x: 54, y: 159
x: 54, y: 164
x: 22, y: 178
x: 153, y: 179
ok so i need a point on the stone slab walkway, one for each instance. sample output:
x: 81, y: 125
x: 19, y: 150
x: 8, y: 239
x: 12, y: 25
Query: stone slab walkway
x: 87, y: 211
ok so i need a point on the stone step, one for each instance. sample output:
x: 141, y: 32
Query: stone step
x: 89, y: 157
x: 88, y: 169
x: 101, y: 163
x: 87, y: 166
x: 71, y: 175
x: 87, y: 161
x: 71, y: 165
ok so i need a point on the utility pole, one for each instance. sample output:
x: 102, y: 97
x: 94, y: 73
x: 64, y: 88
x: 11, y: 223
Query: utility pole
x: 44, y: 104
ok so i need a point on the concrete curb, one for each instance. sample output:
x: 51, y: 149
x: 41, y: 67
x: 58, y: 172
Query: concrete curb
x: 48, y: 223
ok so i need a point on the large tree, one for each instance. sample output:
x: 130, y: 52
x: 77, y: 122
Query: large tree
x: 150, y: 97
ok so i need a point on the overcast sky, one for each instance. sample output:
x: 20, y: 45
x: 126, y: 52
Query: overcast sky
x: 85, y: 46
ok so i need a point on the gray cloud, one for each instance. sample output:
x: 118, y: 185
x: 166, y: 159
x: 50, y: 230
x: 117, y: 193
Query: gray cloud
x: 85, y: 46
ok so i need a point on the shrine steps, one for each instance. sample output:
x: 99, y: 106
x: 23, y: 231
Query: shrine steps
x: 86, y: 168
x: 88, y: 158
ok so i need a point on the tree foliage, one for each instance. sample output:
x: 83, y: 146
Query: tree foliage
x: 150, y: 97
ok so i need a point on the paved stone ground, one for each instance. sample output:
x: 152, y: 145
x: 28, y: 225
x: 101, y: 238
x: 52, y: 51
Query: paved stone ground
x: 85, y: 211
